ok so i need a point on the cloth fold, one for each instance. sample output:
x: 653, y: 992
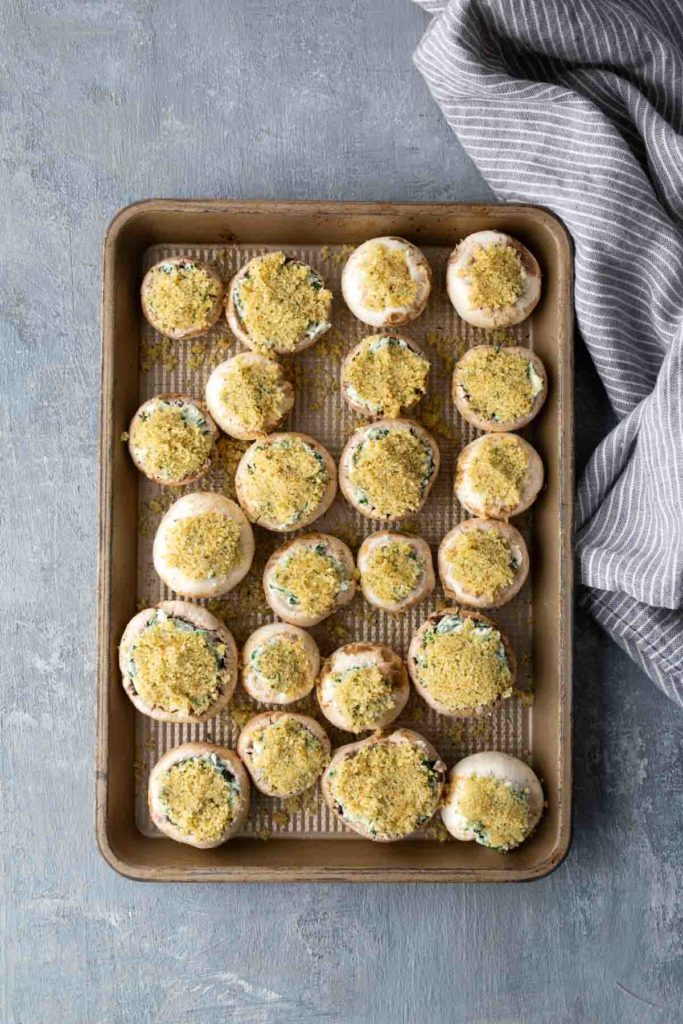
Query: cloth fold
x: 577, y: 105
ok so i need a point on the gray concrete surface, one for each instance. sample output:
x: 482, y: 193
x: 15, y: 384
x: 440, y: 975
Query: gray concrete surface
x: 107, y: 102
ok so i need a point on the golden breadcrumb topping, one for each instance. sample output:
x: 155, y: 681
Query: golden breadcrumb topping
x: 391, y: 470
x: 286, y: 756
x: 310, y: 580
x: 363, y: 695
x: 498, y: 384
x: 173, y: 442
x: 496, y: 276
x: 175, y: 667
x: 280, y: 301
x: 498, y: 812
x: 252, y: 393
x: 387, y: 375
x: 285, y: 481
x: 182, y: 296
x: 462, y: 664
x: 481, y: 561
x: 204, y: 545
x: 390, y: 787
x: 282, y: 664
x: 198, y: 798
x: 498, y: 470
x: 387, y: 278
x: 394, y: 570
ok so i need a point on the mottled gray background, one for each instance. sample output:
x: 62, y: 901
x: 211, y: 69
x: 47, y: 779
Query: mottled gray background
x: 103, y: 103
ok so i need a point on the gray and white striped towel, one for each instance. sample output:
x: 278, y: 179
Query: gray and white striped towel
x: 578, y: 105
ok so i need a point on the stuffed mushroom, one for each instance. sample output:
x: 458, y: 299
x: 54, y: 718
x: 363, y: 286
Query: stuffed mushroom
x: 483, y: 563
x: 395, y: 570
x: 499, y: 388
x: 199, y: 794
x: 285, y: 753
x: 280, y: 663
x: 384, y: 375
x: 286, y: 481
x: 178, y: 662
x: 249, y: 395
x: 498, y: 476
x: 461, y: 663
x: 387, y: 469
x: 386, y: 282
x: 278, y: 305
x: 171, y: 439
x: 363, y: 687
x: 385, y: 787
x: 204, y: 545
x: 309, y: 578
x: 182, y: 298
x: 494, y: 799
x: 493, y: 280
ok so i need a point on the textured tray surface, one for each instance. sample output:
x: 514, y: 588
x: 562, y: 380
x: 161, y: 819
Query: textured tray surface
x: 320, y: 411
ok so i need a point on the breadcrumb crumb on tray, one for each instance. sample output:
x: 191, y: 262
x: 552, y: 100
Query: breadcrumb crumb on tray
x: 184, y: 367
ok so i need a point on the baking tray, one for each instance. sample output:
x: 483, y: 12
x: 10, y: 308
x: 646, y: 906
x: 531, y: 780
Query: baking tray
x: 300, y: 840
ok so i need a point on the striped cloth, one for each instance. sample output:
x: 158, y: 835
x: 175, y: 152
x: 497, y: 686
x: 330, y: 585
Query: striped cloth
x: 578, y: 105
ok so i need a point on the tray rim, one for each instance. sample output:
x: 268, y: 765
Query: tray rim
x: 305, y: 873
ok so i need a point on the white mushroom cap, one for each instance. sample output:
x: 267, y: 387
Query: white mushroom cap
x: 209, y: 751
x: 358, y: 439
x: 355, y: 400
x: 380, y: 539
x: 254, y: 683
x: 179, y: 333
x: 459, y: 283
x: 354, y: 285
x: 192, y: 505
x: 399, y: 736
x: 497, y: 765
x: 475, y: 502
x: 202, y: 619
x: 225, y: 417
x: 245, y: 745
x: 539, y: 382
x: 254, y: 513
x: 416, y: 645
x: 151, y: 405
x: 362, y: 655
x: 454, y: 588
x: 337, y: 549
x: 240, y: 330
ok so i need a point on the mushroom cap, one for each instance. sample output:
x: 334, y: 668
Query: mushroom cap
x: 364, y: 655
x: 462, y: 401
x: 202, y: 619
x: 180, y: 333
x: 360, y: 406
x: 353, y: 283
x: 416, y: 643
x: 197, y: 749
x: 458, y: 284
x: 456, y: 591
x: 326, y: 499
x: 192, y: 505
